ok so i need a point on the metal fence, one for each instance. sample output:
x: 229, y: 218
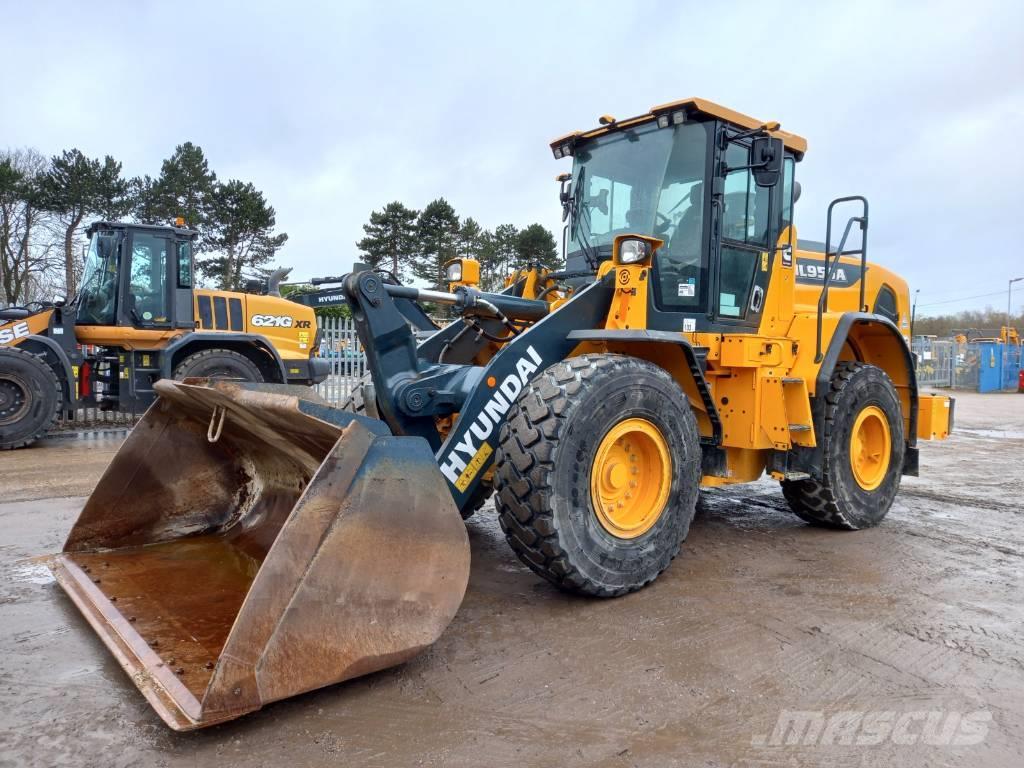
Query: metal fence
x: 94, y: 417
x: 936, y: 362
x: 1013, y: 358
x: 340, y: 345
x: 985, y: 366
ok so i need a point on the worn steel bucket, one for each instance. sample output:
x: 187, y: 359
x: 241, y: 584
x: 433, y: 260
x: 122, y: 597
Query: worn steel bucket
x: 247, y: 544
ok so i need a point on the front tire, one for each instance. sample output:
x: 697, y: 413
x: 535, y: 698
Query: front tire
x: 30, y: 398
x: 587, y: 434
x: 862, y: 453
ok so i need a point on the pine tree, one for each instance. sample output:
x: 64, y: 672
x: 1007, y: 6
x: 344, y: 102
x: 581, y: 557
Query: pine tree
x: 438, y: 233
x: 241, y: 236
x: 536, y: 245
x: 391, y: 239
x: 185, y: 188
x: 498, y: 256
x: 471, y: 236
x: 77, y: 186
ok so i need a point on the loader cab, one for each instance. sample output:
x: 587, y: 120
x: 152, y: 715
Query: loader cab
x: 693, y: 178
x: 137, y: 276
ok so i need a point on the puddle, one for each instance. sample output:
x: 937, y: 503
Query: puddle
x: 30, y: 573
x: 104, y: 433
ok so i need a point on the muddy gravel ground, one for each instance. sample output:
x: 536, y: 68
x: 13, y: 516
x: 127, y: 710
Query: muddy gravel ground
x: 902, y: 645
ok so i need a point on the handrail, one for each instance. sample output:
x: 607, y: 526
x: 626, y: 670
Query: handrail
x: 830, y: 266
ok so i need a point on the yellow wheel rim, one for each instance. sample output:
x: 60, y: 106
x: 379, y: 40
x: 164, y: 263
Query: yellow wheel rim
x: 870, y: 447
x: 631, y: 478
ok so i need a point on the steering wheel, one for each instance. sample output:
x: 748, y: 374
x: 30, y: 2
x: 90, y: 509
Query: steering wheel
x: 99, y: 302
x: 662, y: 223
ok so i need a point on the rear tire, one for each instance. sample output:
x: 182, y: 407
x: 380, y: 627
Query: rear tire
x: 557, y: 433
x: 218, y: 364
x: 30, y: 398
x: 858, y: 392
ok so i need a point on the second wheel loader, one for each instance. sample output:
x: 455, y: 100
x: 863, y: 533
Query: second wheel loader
x: 138, y: 317
x: 249, y: 543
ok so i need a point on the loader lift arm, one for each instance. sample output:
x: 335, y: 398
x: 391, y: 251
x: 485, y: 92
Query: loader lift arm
x: 411, y: 391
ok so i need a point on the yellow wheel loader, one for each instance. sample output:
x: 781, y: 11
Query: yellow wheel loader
x: 138, y: 318
x: 249, y: 543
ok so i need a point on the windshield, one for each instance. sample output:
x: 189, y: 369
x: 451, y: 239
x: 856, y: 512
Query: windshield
x: 648, y: 181
x: 97, y: 295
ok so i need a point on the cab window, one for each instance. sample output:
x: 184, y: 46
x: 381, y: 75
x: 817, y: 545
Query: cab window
x: 744, y: 234
x: 184, y: 264
x: 885, y: 304
x: 147, y: 289
x: 745, y: 219
x: 787, y: 192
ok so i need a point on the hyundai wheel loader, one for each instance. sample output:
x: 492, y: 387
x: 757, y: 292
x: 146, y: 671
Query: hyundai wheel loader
x: 249, y: 543
x: 138, y: 318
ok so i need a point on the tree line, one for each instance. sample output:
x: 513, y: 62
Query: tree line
x: 988, y: 320
x: 45, y: 203
x: 415, y: 244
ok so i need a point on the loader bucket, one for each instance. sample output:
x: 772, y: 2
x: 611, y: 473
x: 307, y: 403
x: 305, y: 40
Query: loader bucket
x: 246, y: 545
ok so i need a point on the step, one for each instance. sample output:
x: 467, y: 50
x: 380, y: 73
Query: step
x: 799, y: 427
x: 796, y: 476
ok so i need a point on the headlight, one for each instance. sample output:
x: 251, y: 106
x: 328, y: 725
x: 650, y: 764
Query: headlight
x: 454, y: 272
x: 632, y: 251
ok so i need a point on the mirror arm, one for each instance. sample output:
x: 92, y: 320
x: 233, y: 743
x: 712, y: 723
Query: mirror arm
x: 727, y: 170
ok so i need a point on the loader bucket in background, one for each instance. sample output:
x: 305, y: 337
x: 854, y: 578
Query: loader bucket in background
x: 246, y: 545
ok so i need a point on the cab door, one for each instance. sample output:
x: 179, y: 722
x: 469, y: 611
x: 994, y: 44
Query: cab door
x: 744, y: 214
x: 146, y: 292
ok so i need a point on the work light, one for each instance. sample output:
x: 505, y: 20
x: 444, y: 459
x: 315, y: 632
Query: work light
x: 454, y: 272
x: 631, y: 251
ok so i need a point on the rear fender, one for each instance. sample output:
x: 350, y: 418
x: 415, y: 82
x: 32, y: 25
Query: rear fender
x: 875, y: 340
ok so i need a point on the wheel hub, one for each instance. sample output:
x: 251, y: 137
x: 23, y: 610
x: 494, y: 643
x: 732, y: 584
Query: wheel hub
x: 15, y: 399
x: 631, y: 478
x: 870, y: 447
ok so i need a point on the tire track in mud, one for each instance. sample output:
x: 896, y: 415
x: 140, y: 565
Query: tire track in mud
x: 946, y: 498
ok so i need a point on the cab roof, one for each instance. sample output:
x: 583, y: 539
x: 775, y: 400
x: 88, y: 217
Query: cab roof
x: 124, y: 225
x: 692, y: 106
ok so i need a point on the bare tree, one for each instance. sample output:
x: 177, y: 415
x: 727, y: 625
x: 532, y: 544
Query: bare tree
x: 27, y: 253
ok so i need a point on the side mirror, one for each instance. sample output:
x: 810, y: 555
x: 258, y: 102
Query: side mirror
x: 766, y: 153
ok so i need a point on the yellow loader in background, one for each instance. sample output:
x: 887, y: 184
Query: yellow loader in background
x: 138, y: 318
x: 249, y: 543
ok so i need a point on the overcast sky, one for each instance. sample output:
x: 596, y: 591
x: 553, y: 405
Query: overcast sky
x: 334, y: 109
